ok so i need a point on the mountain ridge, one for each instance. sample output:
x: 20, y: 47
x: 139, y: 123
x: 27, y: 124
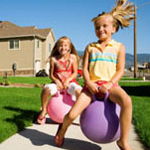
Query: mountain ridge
x: 141, y: 58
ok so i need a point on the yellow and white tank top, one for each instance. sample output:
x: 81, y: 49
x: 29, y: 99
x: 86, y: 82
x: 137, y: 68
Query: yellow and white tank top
x: 103, y: 63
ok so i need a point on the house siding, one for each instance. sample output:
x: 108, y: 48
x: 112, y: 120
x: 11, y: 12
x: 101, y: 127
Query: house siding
x: 29, y: 56
x: 38, y: 51
x: 23, y: 56
x: 46, y: 52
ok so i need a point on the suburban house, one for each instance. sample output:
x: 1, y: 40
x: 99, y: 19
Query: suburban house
x: 24, y: 50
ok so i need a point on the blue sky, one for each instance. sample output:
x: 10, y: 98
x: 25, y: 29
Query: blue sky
x: 72, y: 18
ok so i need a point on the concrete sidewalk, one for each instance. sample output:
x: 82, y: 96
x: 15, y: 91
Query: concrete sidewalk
x: 38, y: 137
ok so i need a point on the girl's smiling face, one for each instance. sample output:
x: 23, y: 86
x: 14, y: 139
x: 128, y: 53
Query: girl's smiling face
x: 64, y: 47
x: 104, y: 27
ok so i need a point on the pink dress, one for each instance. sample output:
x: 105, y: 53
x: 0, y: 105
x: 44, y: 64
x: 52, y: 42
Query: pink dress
x: 64, y: 69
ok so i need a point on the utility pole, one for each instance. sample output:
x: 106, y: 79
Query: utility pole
x: 135, y: 43
x: 135, y: 37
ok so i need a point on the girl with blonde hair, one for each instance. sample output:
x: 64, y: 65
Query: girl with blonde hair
x: 103, y: 67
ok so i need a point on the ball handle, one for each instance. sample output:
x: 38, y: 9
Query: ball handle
x: 105, y: 98
x: 64, y: 92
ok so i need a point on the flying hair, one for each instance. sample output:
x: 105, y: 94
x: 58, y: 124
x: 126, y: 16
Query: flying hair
x: 122, y: 14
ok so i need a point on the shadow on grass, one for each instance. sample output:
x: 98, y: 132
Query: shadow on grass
x: 137, y: 90
x: 23, y: 119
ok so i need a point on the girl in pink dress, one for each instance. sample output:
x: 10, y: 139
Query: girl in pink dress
x: 63, y: 73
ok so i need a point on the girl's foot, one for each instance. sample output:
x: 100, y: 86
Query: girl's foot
x: 41, y: 118
x: 59, y: 142
x: 121, y: 146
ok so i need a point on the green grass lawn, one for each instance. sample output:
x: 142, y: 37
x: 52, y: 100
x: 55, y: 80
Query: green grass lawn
x: 131, y: 78
x: 20, y: 106
x: 29, y: 80
x: 18, y: 109
x: 140, y: 94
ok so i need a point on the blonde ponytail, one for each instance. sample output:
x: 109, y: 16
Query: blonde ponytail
x: 122, y: 14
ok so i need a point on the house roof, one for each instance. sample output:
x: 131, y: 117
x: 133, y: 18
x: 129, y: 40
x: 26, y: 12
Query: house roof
x: 10, y: 30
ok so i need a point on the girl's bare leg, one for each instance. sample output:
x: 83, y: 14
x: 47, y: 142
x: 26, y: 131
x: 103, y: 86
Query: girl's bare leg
x: 78, y: 91
x: 119, y: 96
x: 44, y: 101
x: 82, y: 102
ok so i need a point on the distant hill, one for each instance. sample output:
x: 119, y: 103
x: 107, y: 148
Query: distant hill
x: 141, y: 58
x: 80, y: 53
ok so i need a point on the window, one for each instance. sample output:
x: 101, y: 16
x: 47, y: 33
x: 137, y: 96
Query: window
x: 50, y: 48
x: 14, y: 44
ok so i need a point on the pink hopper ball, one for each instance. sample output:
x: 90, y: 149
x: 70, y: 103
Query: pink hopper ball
x: 59, y: 105
x: 100, y: 121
